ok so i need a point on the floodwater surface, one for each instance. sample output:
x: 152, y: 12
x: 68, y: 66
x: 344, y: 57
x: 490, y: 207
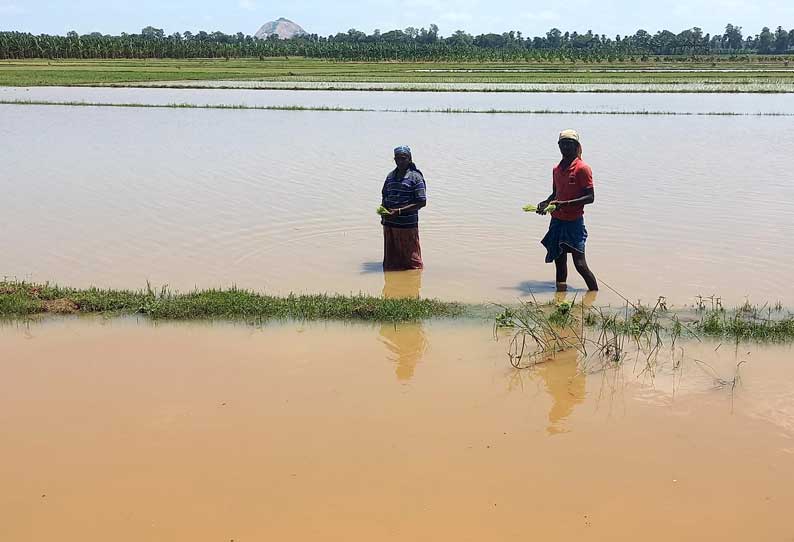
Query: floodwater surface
x: 749, y: 104
x: 780, y: 85
x: 283, y: 201
x: 127, y: 431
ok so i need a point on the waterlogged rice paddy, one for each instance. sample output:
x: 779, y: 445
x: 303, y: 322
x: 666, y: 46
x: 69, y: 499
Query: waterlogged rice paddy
x: 126, y: 430
x: 282, y: 201
x: 388, y: 100
x: 753, y: 86
x: 144, y: 428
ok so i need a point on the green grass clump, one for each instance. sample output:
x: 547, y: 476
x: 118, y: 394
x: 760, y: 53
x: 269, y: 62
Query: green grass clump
x: 561, y: 315
x: 22, y: 299
x: 19, y: 303
x: 739, y: 324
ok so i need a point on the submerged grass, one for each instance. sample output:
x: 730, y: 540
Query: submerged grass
x: 19, y: 299
x: 184, y: 106
x: 609, y: 334
x: 372, y: 110
x: 637, y: 87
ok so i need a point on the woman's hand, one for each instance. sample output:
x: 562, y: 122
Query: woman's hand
x: 557, y: 203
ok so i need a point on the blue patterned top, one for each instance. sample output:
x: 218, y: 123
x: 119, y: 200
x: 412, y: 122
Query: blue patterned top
x: 398, y: 192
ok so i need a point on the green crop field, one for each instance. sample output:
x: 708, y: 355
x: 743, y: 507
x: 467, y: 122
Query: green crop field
x: 130, y: 72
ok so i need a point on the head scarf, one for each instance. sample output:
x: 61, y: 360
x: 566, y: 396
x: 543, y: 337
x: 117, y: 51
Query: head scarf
x: 406, y: 150
x: 402, y: 149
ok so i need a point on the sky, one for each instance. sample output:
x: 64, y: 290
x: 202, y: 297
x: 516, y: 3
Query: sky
x: 532, y: 18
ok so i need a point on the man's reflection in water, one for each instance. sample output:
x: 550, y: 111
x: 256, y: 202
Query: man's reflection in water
x: 406, y: 342
x: 566, y: 385
x: 562, y: 377
x: 589, y: 299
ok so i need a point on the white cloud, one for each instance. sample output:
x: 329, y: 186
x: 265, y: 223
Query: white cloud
x: 248, y: 5
x: 11, y: 9
x: 545, y: 15
x: 440, y: 6
x: 434, y: 5
x: 456, y: 17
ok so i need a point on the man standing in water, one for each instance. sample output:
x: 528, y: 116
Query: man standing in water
x: 403, y: 195
x: 572, y: 189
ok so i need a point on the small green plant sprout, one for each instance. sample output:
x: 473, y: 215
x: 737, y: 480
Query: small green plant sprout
x: 590, y: 318
x: 505, y: 319
x: 716, y: 303
x: 529, y: 208
x: 562, y: 313
x: 382, y: 211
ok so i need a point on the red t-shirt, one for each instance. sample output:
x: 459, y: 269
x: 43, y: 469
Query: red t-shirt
x: 571, y: 183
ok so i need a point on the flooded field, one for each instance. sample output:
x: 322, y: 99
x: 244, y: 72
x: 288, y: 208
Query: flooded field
x: 117, y: 429
x: 284, y: 201
x: 779, y: 85
x: 750, y: 104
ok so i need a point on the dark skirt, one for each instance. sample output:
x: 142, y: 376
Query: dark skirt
x: 564, y: 236
x: 401, y: 249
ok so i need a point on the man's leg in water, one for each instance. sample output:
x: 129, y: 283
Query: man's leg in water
x: 561, y: 264
x: 581, y: 266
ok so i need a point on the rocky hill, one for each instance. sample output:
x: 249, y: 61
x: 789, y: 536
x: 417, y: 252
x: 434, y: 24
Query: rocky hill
x: 283, y: 28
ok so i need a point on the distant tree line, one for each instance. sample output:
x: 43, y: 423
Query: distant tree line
x: 418, y: 44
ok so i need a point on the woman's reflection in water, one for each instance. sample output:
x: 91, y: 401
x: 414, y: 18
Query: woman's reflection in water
x: 564, y: 380
x: 406, y: 341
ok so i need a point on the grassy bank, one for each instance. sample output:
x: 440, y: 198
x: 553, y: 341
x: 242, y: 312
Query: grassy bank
x: 94, y: 72
x: 447, y: 110
x: 19, y: 299
x: 546, y: 325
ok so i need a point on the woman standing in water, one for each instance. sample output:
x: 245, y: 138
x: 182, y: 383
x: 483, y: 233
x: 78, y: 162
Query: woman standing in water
x: 572, y: 189
x: 403, y: 195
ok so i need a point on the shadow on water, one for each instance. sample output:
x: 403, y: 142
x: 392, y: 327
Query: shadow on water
x: 371, y: 267
x: 528, y: 287
x: 406, y: 342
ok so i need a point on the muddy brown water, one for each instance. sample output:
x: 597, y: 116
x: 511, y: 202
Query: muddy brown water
x: 117, y: 429
x: 282, y: 201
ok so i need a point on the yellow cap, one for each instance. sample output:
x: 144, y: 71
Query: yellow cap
x: 569, y: 134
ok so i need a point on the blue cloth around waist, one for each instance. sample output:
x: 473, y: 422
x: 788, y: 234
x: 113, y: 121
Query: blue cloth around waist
x: 562, y: 235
